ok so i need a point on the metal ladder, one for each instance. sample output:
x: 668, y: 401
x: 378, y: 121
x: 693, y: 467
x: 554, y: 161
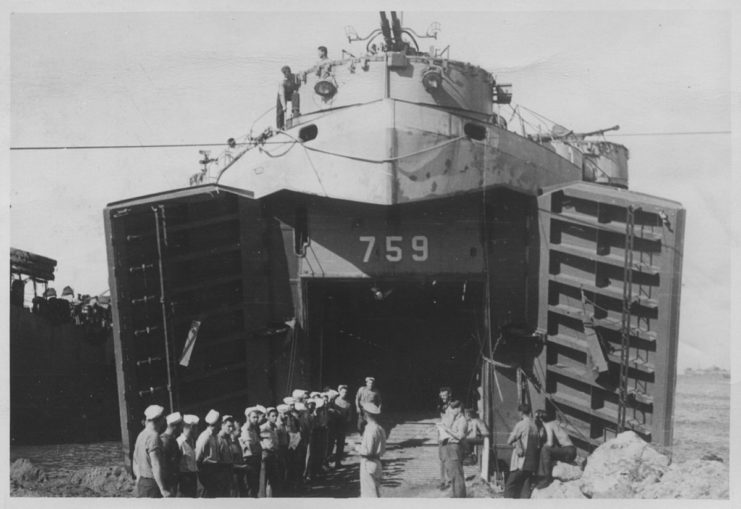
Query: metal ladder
x: 625, y: 325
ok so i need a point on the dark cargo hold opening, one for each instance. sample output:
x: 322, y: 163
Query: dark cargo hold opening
x: 412, y: 336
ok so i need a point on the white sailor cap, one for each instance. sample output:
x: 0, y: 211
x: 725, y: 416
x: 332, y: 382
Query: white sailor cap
x: 283, y: 408
x: 212, y: 417
x: 332, y: 394
x: 227, y: 417
x: 300, y: 406
x: 174, y: 418
x: 319, y: 402
x: 342, y: 386
x: 315, y: 394
x: 261, y: 409
x: 152, y: 412
x: 371, y: 408
x: 298, y: 393
x: 191, y: 419
x: 288, y: 400
x: 249, y: 410
x: 370, y: 379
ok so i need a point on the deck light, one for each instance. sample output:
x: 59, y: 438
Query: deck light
x: 432, y: 79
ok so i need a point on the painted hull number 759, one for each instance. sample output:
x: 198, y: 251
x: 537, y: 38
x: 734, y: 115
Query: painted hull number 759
x: 394, y: 247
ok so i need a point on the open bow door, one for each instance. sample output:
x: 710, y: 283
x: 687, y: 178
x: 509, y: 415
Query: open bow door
x: 610, y: 266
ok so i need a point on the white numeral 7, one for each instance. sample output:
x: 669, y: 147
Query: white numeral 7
x: 369, y: 250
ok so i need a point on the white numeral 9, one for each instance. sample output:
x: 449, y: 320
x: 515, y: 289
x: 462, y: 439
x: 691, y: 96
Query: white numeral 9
x: 419, y: 244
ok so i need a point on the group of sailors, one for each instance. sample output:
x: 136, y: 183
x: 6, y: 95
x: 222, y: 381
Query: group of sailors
x: 273, y: 453
x: 538, y: 443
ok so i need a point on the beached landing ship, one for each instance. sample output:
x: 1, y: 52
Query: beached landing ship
x: 396, y: 226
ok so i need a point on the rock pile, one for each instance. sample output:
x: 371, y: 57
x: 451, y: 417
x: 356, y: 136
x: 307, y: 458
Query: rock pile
x: 628, y: 467
x: 104, y: 482
x: 23, y: 473
x: 28, y: 480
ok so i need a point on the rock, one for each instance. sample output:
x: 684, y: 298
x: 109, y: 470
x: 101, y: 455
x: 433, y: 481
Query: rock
x: 622, y: 466
x: 566, y: 472
x: 26, y: 474
x: 105, y: 482
x: 692, y: 479
x: 558, y: 489
x: 711, y: 457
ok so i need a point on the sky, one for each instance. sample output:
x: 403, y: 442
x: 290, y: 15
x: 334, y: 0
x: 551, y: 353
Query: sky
x: 203, y: 77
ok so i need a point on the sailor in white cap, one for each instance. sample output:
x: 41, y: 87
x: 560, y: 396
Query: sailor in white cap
x: 270, y: 478
x: 171, y: 451
x: 366, y: 394
x: 225, y: 463
x: 148, y: 458
x: 371, y: 448
x: 249, y: 440
x: 314, y: 451
x: 188, y: 478
x: 283, y: 441
x: 343, y: 418
x: 296, y: 447
x: 207, y: 455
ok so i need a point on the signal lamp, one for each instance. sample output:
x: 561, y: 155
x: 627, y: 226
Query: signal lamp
x: 325, y: 88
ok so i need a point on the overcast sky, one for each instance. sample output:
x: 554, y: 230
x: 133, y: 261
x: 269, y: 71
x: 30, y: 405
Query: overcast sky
x: 197, y: 77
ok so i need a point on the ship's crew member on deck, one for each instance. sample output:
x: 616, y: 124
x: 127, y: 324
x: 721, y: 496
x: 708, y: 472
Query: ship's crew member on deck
x: 558, y: 447
x: 171, y: 451
x: 323, y: 65
x: 343, y: 410
x: 525, y: 455
x: 270, y: 480
x: 251, y: 451
x: 148, y: 460
x: 226, y: 457
x: 452, y: 435
x: 365, y: 395
x: 371, y: 448
x: 207, y: 455
x: 446, y: 396
x: 188, y: 478
x: 287, y: 92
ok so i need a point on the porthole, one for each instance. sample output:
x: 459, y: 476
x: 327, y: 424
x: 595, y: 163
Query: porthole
x: 308, y: 133
x: 475, y: 131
